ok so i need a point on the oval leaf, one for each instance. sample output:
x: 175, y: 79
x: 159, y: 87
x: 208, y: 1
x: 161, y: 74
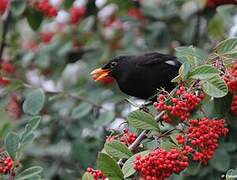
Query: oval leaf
x: 215, y: 87
x: 203, y: 72
x: 82, y: 110
x: 109, y: 167
x: 104, y: 118
x: 117, y: 150
x: 193, y: 168
x: 227, y: 47
x: 27, y: 135
x: 142, y: 120
x: 220, y: 160
x: 34, y: 102
x: 18, y: 7
x: 11, y: 144
x: 32, y: 124
x: 30, y: 172
x: 127, y: 168
x: 34, y: 18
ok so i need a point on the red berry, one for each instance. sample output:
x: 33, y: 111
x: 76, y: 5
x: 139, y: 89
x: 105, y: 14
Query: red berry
x: 97, y: 174
x: 76, y: 14
x: 215, y: 3
x: 3, y: 5
x: 46, y: 8
x: 160, y: 164
x: 179, y: 106
x: 202, y: 135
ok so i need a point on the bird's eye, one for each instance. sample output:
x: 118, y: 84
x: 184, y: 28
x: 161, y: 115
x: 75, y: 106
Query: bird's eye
x: 113, y: 64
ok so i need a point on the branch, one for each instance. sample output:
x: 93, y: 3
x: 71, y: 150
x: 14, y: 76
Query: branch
x: 4, y: 34
x: 143, y: 134
x: 141, y: 137
x: 197, y: 30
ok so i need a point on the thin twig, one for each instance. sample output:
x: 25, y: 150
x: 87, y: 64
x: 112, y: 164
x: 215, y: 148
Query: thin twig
x: 4, y: 34
x: 197, y: 30
x: 141, y: 137
x: 166, y: 132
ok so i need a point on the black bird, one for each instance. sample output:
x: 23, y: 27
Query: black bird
x: 142, y: 75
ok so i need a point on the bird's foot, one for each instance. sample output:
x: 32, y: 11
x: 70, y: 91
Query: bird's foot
x: 144, y: 107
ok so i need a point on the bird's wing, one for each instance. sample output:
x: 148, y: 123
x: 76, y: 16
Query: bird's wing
x: 157, y: 58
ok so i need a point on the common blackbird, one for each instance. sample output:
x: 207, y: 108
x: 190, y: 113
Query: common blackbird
x: 142, y: 75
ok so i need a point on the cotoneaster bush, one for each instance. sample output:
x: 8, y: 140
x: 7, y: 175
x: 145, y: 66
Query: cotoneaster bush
x: 181, y: 132
x: 55, y: 120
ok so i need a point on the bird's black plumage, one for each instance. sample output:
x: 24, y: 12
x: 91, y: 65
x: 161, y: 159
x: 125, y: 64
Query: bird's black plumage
x: 142, y: 75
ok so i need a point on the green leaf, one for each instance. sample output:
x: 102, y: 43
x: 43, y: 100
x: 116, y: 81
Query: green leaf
x: 229, y: 147
x: 203, y: 72
x: 67, y: 4
x: 215, y: 87
x: 14, y: 85
x: 216, y: 26
x: 117, y: 150
x: 28, y: 138
x: 220, y: 160
x: 109, y: 167
x: 191, y: 55
x: 35, y: 177
x: 193, y: 168
x: 32, y: 124
x: 184, y: 70
x: 18, y: 7
x: 34, y: 102
x: 11, y: 144
x: 87, y: 176
x: 222, y: 105
x: 167, y: 145
x: 227, y: 47
x: 104, y: 118
x: 82, y: 110
x: 27, y: 135
x: 34, y: 18
x: 142, y: 120
x: 127, y: 168
x: 86, y: 24
x: 28, y: 173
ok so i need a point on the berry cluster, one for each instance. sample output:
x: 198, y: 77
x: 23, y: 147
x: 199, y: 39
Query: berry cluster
x: 13, y: 107
x: 160, y: 164
x: 3, y: 5
x: 46, y: 8
x: 233, y: 107
x: 4, y: 81
x: 76, y: 14
x: 215, y: 3
x: 46, y: 37
x: 6, y: 69
x: 6, y: 163
x: 136, y: 14
x: 180, y: 105
x: 202, y: 135
x: 231, y: 78
x: 126, y: 138
x: 97, y: 174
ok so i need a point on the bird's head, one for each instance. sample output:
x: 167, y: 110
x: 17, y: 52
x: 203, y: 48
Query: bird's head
x: 110, y: 70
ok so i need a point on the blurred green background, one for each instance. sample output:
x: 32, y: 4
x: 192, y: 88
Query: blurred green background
x: 58, y: 55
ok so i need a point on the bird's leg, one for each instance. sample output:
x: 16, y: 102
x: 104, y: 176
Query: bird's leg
x: 144, y: 106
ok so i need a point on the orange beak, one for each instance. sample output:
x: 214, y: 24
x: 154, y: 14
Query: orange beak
x: 100, y: 74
